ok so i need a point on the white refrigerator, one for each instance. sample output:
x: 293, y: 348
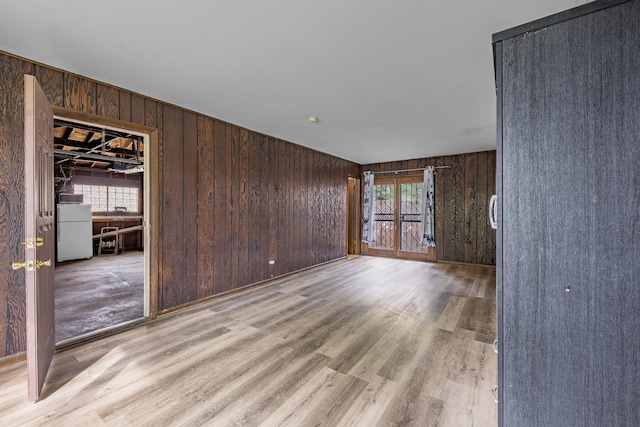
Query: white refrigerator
x: 75, y: 232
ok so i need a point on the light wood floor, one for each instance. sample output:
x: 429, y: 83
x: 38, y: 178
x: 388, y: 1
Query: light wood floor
x: 360, y: 342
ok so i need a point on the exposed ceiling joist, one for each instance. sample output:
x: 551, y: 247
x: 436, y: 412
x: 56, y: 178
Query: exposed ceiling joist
x: 82, y: 155
x: 84, y: 145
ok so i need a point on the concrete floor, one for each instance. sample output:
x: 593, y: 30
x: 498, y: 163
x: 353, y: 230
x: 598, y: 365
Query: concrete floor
x: 98, y: 293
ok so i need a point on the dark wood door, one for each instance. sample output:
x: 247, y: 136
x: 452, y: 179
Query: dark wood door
x: 353, y: 215
x: 39, y: 235
x: 569, y: 252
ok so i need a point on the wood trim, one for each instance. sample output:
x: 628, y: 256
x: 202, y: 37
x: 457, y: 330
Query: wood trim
x: 429, y: 256
x: 373, y: 251
x: 354, y: 200
x: 74, y: 342
x: 492, y: 267
x: 152, y: 165
x: 14, y: 358
x: 214, y: 297
x: 67, y: 113
x: 154, y: 222
x: 413, y: 256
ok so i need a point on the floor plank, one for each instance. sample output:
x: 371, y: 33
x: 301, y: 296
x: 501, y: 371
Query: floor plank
x: 360, y: 342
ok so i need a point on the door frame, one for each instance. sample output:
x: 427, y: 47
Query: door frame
x: 354, y: 228
x: 430, y: 255
x: 151, y: 206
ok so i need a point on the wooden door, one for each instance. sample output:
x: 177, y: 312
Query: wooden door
x: 409, y: 220
x: 39, y: 234
x: 398, y: 216
x: 353, y: 214
x: 384, y: 200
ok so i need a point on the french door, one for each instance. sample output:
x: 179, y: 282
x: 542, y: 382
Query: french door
x: 398, y: 219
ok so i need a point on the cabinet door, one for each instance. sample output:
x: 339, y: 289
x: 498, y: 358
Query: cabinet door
x: 570, y: 201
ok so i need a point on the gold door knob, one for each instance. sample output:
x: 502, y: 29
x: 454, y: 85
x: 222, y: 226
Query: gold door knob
x: 18, y: 265
x: 28, y: 265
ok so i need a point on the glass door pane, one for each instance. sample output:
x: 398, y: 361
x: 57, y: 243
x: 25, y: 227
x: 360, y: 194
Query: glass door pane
x: 384, y: 215
x: 411, y: 217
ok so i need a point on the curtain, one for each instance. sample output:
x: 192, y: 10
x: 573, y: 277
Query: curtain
x: 428, y: 218
x: 368, y: 223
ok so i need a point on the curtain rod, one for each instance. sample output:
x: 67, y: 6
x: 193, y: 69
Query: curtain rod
x: 411, y: 170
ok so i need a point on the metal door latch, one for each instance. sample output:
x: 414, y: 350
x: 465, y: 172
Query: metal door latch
x: 33, y: 242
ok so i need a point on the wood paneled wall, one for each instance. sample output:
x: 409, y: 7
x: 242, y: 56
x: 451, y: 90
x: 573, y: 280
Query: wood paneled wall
x: 230, y: 198
x: 463, y: 232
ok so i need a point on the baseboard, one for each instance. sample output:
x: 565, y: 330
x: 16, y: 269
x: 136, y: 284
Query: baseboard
x: 467, y: 264
x: 14, y: 358
x: 205, y: 300
x: 99, y: 334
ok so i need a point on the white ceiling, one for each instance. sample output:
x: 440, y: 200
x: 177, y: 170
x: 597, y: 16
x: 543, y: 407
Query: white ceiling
x: 389, y: 80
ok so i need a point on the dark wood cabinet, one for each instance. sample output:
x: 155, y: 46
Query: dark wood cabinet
x: 568, y: 238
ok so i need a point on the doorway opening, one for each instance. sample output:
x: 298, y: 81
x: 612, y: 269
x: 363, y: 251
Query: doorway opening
x: 398, y: 219
x: 353, y: 217
x: 102, y: 197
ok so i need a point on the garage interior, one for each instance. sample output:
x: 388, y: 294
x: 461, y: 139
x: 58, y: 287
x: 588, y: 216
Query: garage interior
x: 102, y: 287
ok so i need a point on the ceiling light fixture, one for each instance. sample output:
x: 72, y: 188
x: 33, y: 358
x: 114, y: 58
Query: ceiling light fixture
x: 313, y: 119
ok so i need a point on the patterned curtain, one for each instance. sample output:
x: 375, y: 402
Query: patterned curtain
x: 368, y: 223
x: 428, y: 201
